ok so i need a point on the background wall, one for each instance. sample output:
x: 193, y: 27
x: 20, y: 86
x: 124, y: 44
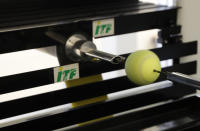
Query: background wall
x: 189, y: 18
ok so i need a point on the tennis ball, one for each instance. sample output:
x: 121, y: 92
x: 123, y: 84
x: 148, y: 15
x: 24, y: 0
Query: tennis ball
x: 140, y: 67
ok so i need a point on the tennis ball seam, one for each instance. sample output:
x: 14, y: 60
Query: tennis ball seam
x: 140, y: 67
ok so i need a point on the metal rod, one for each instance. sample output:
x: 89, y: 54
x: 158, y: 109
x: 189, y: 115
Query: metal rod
x: 181, y: 78
x: 56, y: 37
x: 87, y: 47
x: 114, y: 59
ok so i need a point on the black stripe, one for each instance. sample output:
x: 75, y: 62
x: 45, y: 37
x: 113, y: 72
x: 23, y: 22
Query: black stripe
x: 142, y: 16
x: 150, y: 117
x: 44, y: 77
x: 73, y: 94
x: 93, y: 111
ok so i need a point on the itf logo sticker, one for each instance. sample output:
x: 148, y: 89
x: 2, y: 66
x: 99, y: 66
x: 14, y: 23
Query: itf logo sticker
x: 68, y: 72
x: 103, y: 27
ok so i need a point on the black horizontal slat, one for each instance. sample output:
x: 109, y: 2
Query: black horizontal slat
x: 192, y: 126
x: 34, y: 38
x: 146, y: 21
x: 87, y: 12
x: 68, y: 95
x: 13, y: 7
x: 30, y: 79
x: 152, y: 117
x: 177, y: 51
x: 91, y: 112
x: 44, y: 77
x: 23, y: 41
x: 42, y: 12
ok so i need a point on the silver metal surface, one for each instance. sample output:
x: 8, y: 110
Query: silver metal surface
x: 72, y: 47
x: 78, y: 48
x: 89, y: 49
x: 183, y: 79
x: 56, y: 37
x: 105, y: 56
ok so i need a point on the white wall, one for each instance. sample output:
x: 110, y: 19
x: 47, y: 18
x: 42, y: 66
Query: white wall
x: 189, y: 18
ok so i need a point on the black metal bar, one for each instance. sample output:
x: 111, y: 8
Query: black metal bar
x: 90, y: 112
x: 136, y: 17
x: 24, y: 40
x: 46, y: 100
x: 139, y: 22
x: 191, y: 126
x: 26, y: 80
x: 152, y: 117
x: 44, y: 77
x: 61, y: 15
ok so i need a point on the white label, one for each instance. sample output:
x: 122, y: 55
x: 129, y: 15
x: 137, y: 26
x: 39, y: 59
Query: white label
x: 67, y: 72
x: 103, y: 27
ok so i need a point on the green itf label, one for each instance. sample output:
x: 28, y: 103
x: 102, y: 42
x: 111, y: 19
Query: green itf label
x: 103, y: 27
x: 64, y: 73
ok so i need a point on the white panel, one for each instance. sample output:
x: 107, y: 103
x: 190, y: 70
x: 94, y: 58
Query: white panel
x: 190, y: 20
x: 28, y: 60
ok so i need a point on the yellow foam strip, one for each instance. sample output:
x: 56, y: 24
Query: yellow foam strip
x: 87, y: 80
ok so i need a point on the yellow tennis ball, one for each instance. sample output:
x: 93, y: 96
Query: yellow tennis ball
x: 140, y: 67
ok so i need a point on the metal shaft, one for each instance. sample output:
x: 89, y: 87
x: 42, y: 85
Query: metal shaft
x: 56, y: 37
x: 78, y: 46
x: 114, y: 59
x: 181, y: 78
